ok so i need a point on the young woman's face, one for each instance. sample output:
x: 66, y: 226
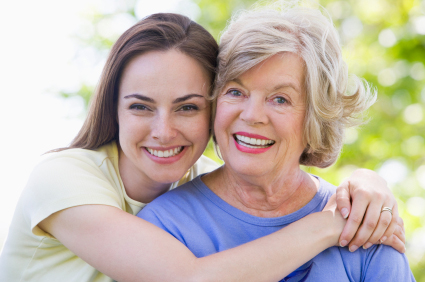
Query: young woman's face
x: 163, y: 115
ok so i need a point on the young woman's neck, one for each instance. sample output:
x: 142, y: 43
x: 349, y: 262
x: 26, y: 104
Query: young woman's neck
x: 137, y: 184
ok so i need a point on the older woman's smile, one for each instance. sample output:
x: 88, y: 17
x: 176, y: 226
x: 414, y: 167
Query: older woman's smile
x: 260, y: 116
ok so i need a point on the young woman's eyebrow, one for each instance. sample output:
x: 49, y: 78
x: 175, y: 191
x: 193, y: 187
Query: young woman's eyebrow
x: 187, y: 97
x: 140, y: 97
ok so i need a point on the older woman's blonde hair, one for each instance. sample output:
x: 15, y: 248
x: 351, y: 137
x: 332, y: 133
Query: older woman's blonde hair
x: 334, y: 100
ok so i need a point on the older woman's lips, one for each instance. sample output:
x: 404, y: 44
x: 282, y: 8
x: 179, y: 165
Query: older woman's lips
x: 252, y: 145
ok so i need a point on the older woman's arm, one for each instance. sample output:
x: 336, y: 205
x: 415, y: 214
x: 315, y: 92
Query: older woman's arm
x: 128, y: 248
x: 367, y: 224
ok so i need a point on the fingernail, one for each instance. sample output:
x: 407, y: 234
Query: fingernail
x: 344, y: 212
x: 383, y: 239
x: 343, y: 243
x: 367, y: 245
x: 353, y: 248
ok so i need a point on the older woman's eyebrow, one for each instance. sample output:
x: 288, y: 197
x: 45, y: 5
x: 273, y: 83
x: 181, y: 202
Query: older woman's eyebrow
x: 187, y: 97
x: 238, y: 81
x: 286, y: 85
x: 140, y: 97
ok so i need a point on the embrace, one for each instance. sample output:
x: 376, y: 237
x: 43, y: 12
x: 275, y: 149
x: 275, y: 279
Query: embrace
x: 274, y: 95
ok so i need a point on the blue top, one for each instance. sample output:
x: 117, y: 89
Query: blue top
x: 206, y: 224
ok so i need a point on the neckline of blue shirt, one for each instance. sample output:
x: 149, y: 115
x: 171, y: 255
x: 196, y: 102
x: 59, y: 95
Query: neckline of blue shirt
x: 264, y: 221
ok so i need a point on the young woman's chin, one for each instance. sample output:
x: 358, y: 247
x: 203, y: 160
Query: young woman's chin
x: 172, y: 168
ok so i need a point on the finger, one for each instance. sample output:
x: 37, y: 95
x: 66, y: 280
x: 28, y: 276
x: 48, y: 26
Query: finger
x: 398, y: 232
x: 343, y: 198
x: 396, y: 243
x: 358, y: 209
x: 393, y: 227
x: 372, y: 222
x: 387, y: 224
x: 384, y: 228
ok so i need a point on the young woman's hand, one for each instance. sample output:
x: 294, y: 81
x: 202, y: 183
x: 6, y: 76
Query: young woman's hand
x: 365, y: 199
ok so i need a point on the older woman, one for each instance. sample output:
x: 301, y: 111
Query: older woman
x: 283, y: 100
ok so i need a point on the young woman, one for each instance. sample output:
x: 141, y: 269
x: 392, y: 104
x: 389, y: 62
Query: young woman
x: 148, y: 124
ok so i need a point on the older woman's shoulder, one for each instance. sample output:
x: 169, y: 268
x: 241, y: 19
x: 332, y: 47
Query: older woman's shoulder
x: 377, y: 263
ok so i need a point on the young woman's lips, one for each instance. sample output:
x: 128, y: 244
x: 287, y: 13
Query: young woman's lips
x: 165, y: 155
x: 252, y: 143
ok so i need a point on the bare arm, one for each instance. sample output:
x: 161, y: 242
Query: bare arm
x: 127, y: 248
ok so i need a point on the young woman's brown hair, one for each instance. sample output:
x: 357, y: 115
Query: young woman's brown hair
x: 158, y: 32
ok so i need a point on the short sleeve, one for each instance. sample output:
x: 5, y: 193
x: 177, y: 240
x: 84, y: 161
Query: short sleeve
x: 62, y: 182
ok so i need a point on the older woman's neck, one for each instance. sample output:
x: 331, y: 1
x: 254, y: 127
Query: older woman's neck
x: 264, y: 196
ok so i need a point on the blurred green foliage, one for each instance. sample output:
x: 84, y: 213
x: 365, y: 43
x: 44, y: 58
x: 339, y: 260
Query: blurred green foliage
x: 383, y: 42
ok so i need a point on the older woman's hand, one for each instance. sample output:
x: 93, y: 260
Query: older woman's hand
x: 362, y: 198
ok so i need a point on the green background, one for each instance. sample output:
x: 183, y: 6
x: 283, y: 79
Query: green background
x: 383, y: 42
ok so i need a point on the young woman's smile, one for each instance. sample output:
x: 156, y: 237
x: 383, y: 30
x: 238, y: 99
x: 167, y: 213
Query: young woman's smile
x: 163, y: 117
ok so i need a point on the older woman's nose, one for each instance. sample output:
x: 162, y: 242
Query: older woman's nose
x: 163, y: 129
x: 253, y: 112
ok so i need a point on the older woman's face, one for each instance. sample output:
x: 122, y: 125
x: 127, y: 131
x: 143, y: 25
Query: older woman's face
x: 260, y: 115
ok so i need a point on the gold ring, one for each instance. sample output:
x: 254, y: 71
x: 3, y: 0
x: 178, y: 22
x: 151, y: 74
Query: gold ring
x: 387, y: 209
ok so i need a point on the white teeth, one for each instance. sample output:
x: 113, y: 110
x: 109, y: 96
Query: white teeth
x: 166, y: 153
x: 253, y: 142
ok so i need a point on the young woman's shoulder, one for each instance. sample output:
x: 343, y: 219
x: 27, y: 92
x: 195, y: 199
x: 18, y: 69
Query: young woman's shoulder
x: 70, y: 178
x: 76, y: 156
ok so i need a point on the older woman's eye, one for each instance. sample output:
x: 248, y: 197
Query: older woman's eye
x: 279, y: 100
x: 234, y: 92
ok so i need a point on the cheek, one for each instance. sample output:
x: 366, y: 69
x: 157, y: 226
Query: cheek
x: 131, y: 128
x: 223, y: 118
x: 196, y: 129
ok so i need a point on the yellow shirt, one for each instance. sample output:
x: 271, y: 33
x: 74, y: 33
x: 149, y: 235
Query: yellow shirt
x: 62, y: 180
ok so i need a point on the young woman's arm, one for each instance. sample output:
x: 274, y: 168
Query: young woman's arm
x: 127, y: 248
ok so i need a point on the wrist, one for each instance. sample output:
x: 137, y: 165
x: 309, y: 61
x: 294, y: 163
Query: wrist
x: 331, y: 228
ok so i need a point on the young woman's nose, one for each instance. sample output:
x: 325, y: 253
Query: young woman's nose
x: 163, y: 129
x: 254, y: 112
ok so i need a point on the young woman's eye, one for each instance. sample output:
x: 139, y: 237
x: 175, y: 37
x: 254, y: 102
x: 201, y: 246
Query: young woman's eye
x: 139, y: 107
x: 188, y: 108
x: 234, y: 92
x: 279, y: 100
